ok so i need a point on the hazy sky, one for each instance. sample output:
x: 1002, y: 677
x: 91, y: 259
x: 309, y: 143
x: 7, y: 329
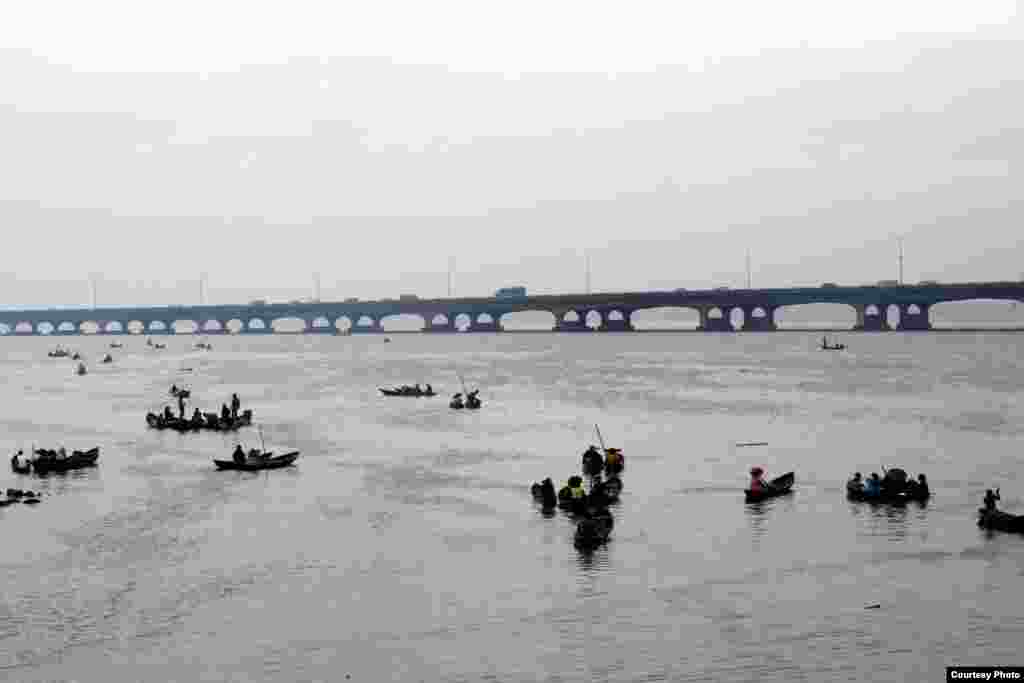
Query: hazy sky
x: 261, y: 142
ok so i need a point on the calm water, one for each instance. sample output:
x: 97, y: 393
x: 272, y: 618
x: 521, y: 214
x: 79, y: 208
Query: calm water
x: 405, y: 545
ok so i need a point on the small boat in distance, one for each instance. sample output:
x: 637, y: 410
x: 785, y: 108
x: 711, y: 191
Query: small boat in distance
x: 779, y: 486
x: 116, y: 345
x: 825, y: 346
x: 258, y: 460
x: 80, y: 370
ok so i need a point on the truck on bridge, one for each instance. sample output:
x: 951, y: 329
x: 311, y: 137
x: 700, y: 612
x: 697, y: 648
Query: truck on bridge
x: 510, y: 293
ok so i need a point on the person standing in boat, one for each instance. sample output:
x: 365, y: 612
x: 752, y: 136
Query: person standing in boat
x: 990, y: 500
x: 239, y: 455
x: 181, y: 406
x: 235, y: 405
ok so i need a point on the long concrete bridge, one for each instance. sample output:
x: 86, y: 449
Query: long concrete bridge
x: 715, y: 307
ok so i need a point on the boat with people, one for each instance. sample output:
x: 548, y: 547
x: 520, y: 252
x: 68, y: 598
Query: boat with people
x: 825, y: 346
x: 471, y: 402
x: 256, y: 459
x: 21, y: 463
x: 895, y: 487
x: 116, y: 345
x: 406, y: 390
x: 208, y: 421
x: 779, y: 486
x: 58, y: 353
x: 107, y: 359
x: 80, y: 370
x: 1000, y: 521
x: 204, y: 346
x: 48, y: 460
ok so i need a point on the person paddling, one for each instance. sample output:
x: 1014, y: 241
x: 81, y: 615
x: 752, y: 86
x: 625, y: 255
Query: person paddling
x: 757, y: 483
x: 990, y: 500
x: 235, y: 405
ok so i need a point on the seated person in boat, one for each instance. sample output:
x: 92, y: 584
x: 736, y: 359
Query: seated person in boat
x: 225, y: 413
x: 168, y: 415
x: 856, y: 484
x: 576, y: 488
x: 197, y: 417
x: 430, y: 389
x: 239, y: 455
x: 990, y: 500
x: 873, y: 486
x: 613, y: 458
x: 62, y: 453
x: 757, y: 482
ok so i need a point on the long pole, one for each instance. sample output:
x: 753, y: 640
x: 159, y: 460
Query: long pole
x: 451, y: 267
x: 600, y: 438
x: 748, y: 269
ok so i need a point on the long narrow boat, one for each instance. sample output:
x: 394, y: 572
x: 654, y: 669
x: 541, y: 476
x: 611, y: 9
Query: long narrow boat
x: 406, y: 393
x: 268, y: 461
x: 1001, y: 521
x: 779, y: 486
x: 47, y: 460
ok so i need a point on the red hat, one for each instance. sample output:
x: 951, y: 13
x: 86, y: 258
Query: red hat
x: 756, y: 470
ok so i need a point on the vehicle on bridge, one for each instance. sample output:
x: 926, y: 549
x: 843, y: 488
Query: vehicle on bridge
x: 352, y: 300
x: 258, y: 302
x: 408, y: 297
x: 510, y: 293
x: 828, y: 285
x: 888, y: 283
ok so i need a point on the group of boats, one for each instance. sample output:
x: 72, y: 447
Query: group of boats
x: 594, y: 521
x: 46, y: 460
x: 825, y: 346
x: 469, y: 401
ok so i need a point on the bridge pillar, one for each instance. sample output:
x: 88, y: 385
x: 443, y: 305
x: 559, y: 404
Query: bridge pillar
x: 709, y: 324
x: 448, y: 326
x: 872, y: 322
x: 766, y: 323
x: 915, y: 321
x: 624, y: 325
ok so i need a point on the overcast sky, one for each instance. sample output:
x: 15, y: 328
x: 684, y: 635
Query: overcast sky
x: 262, y: 142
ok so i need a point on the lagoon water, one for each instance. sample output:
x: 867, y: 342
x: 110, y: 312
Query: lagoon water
x: 405, y: 546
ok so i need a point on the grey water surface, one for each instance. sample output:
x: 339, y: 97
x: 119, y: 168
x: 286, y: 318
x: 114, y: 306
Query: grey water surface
x: 404, y: 545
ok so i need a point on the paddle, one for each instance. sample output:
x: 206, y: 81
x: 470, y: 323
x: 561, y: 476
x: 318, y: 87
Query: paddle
x: 264, y: 445
x: 600, y: 438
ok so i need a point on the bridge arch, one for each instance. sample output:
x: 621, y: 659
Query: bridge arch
x: 5, y: 329
x: 46, y: 328
x: 184, y: 327
x: 365, y: 321
x: 401, y: 322
x: 343, y: 324
x: 484, y: 318
x: 980, y: 313
x: 158, y: 326
x: 288, y: 325
x: 88, y: 327
x: 817, y: 316
x: 463, y: 321
x: 114, y: 327
x: 593, y: 320
x: 570, y: 316
x: 320, y: 323
x: 211, y: 325
x: 665, y: 318
x: 66, y: 327
x: 256, y: 324
x: 135, y: 327
x: 234, y: 326
x: 538, y: 319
